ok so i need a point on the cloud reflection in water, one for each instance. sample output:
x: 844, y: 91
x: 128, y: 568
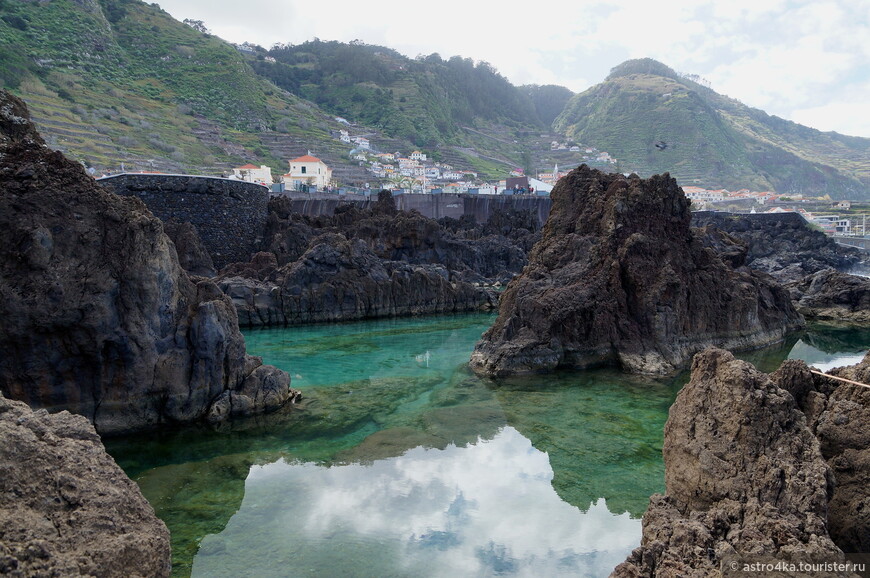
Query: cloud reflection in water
x: 482, y: 510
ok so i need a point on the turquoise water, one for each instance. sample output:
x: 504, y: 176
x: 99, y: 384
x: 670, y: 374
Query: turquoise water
x: 400, y: 462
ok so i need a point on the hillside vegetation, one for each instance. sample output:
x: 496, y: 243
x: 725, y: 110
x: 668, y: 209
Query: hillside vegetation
x: 121, y: 85
x: 653, y: 120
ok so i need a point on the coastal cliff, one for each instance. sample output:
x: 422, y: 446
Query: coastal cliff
x: 98, y: 316
x: 621, y: 278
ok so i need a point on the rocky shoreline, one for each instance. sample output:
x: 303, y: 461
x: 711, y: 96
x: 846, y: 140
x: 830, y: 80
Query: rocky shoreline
x: 99, y: 318
x: 66, y: 508
x: 111, y: 314
x: 760, y: 469
x: 620, y: 278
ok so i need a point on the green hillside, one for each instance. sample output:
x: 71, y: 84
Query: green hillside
x: 653, y: 120
x: 121, y: 84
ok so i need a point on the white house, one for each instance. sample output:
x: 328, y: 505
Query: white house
x: 362, y: 142
x: 344, y: 136
x: 418, y: 156
x: 253, y: 174
x: 308, y: 170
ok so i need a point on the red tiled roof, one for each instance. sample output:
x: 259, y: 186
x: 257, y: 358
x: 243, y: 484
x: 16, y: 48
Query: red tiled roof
x: 306, y: 159
x: 249, y: 166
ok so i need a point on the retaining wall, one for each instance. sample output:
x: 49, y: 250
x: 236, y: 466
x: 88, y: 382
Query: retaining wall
x: 229, y: 215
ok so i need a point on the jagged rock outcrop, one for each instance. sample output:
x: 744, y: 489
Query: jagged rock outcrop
x: 488, y: 253
x: 829, y: 295
x: 192, y: 254
x: 338, y: 279
x: 838, y: 412
x: 98, y: 316
x: 66, y: 508
x: 745, y: 480
x: 619, y: 277
x: 784, y: 245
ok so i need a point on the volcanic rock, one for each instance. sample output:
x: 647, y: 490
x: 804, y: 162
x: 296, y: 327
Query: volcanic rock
x: 66, y: 508
x: 838, y: 413
x: 484, y: 253
x: 192, y: 254
x: 831, y: 296
x: 98, y: 316
x: 619, y: 277
x: 745, y: 480
x: 338, y: 279
x: 784, y: 245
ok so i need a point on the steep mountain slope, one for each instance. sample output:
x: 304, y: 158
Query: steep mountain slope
x: 121, y: 84
x: 427, y: 100
x: 653, y: 120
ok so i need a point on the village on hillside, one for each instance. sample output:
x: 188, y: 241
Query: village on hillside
x: 416, y: 173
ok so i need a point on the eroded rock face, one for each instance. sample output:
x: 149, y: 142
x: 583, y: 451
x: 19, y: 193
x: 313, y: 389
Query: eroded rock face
x: 619, y: 277
x: 494, y: 251
x: 838, y: 413
x: 832, y: 296
x: 66, y: 508
x: 338, y: 279
x: 745, y: 479
x: 98, y: 316
x: 784, y: 245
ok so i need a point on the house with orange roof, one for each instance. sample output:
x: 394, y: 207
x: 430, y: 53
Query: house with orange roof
x: 253, y: 174
x: 308, y: 171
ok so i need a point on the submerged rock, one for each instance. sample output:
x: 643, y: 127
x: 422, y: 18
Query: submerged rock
x: 619, y: 277
x: 745, y: 480
x: 98, y: 316
x: 66, y: 508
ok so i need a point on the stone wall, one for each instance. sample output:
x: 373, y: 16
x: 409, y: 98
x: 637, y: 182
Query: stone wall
x: 229, y: 215
x: 432, y: 206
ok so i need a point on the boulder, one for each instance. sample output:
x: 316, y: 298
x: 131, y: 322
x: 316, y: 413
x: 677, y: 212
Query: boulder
x: 746, y: 482
x: 66, y: 508
x: 98, y: 316
x: 620, y: 278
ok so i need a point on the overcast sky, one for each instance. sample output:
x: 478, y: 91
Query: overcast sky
x: 803, y: 60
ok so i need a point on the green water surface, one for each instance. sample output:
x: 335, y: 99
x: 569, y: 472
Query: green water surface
x: 400, y: 462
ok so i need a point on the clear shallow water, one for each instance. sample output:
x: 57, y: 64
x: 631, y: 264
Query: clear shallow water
x: 400, y: 462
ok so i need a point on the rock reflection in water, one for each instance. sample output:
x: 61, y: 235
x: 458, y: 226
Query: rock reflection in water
x: 487, y: 508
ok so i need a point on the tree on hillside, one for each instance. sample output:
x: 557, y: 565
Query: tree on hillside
x: 197, y: 25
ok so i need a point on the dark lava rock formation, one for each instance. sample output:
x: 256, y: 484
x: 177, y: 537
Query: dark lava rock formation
x: 98, y: 316
x: 619, y: 277
x: 363, y: 264
x: 485, y: 253
x: 831, y: 296
x: 66, y: 508
x: 746, y: 481
x: 338, y: 279
x: 783, y: 244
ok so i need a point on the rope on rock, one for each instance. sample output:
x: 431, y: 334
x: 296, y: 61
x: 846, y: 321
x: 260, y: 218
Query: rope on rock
x: 840, y: 378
